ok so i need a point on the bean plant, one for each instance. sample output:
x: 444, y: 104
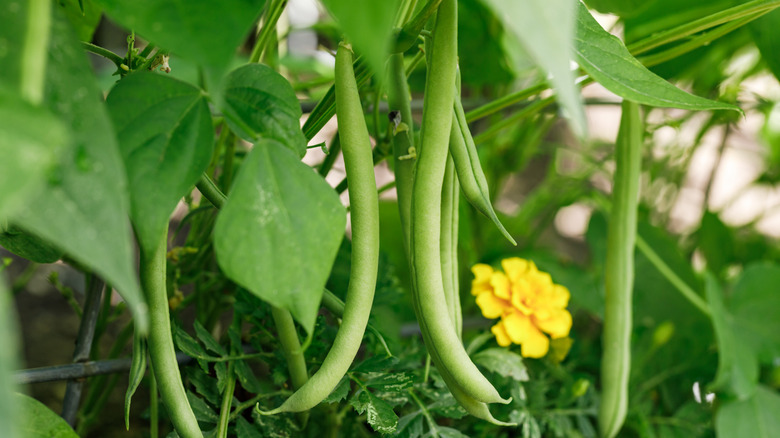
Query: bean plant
x: 196, y: 182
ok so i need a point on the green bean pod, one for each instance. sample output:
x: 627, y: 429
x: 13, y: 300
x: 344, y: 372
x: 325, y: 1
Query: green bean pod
x: 472, y: 178
x: 619, y: 275
x: 137, y: 371
x: 449, y: 245
x: 291, y: 346
x: 364, y: 203
x: 404, y: 153
x: 162, y: 354
x: 426, y: 210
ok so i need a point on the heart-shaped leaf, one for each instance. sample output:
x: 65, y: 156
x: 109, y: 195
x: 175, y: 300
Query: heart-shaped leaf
x: 165, y: 137
x: 278, y: 233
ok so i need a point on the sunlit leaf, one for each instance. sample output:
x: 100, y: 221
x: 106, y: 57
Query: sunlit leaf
x: 38, y: 421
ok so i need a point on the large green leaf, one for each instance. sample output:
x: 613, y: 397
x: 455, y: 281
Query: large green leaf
x: 13, y: 26
x: 38, y: 421
x: 755, y: 417
x: 165, y: 138
x: 766, y: 35
x: 624, y: 8
x: 368, y: 25
x: 261, y: 102
x: 546, y: 28
x: 84, y: 16
x: 31, y: 139
x: 604, y: 57
x: 754, y: 303
x: 203, y: 31
x: 737, y: 365
x: 8, y: 364
x: 83, y: 208
x: 279, y: 231
x: 29, y: 246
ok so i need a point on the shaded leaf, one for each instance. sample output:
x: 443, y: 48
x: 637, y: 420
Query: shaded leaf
x: 165, y: 137
x: 378, y: 412
x: 246, y: 430
x: 737, y: 365
x: 753, y: 304
x: 766, y: 36
x: 410, y: 426
x: 29, y: 246
x: 278, y: 209
x: 31, y: 140
x: 83, y: 209
x: 376, y: 363
x: 755, y: 417
x: 339, y: 393
x: 84, y: 23
x: 395, y: 381
x: 205, y: 337
x: 202, y: 410
x: 448, y: 432
x: 261, y: 102
x: 247, y: 378
x: 196, y: 29
x: 604, y: 57
x: 546, y: 28
x: 39, y: 421
x: 502, y: 361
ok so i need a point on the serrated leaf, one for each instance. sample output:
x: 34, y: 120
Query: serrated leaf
x: 29, y: 246
x: 31, y: 140
x: 205, y: 385
x: 368, y: 26
x: 389, y: 381
x: 379, y: 413
x: 261, y: 102
x: 39, y: 421
x: 546, y: 28
x: 604, y: 57
x: 737, y: 364
x: 197, y: 29
x: 165, y: 137
x: 189, y: 345
x: 246, y: 430
x: 137, y: 371
x: 340, y: 392
x: 279, y: 209
x: 247, y: 378
x: 448, y: 432
x: 203, y: 412
x: 410, y: 426
x: 375, y: 364
x: 205, y: 337
x: 755, y: 417
x: 448, y: 407
x: 753, y: 305
x: 503, y: 362
x: 83, y: 208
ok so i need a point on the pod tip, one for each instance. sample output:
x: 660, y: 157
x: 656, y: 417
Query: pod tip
x: 271, y: 412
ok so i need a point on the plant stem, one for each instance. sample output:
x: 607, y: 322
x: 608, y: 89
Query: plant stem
x: 162, y: 353
x: 274, y: 11
x: 34, y: 53
x: 504, y: 102
x: 227, y: 396
x: 704, y: 23
x: 670, y: 276
x: 512, y: 120
x: 154, y: 409
x: 97, y: 50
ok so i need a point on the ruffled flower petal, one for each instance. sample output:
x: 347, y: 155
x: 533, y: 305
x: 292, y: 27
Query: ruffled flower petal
x: 557, y: 325
x: 501, y: 336
x: 500, y: 284
x: 536, y: 344
x: 515, y: 267
x: 517, y: 326
x: 492, y: 306
x: 481, y: 281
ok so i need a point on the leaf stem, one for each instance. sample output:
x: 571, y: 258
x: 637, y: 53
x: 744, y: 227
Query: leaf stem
x: 272, y: 15
x: 97, y: 50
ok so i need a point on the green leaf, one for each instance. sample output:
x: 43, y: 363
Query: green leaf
x: 605, y: 58
x: 278, y: 210
x: 202, y: 410
x: 9, y: 362
x: 83, y: 209
x: 199, y: 30
x: 247, y: 378
x: 755, y: 417
x: 766, y: 36
x: 260, y: 102
x: 623, y: 8
x: 753, y: 305
x: 716, y: 242
x: 368, y: 25
x: 546, y: 29
x: 31, y: 140
x: 12, y: 40
x: 448, y: 432
x: 410, y: 426
x: 28, y: 246
x: 379, y: 413
x: 84, y: 22
x: 340, y: 392
x: 503, y: 362
x: 737, y: 365
x: 205, y: 337
x: 38, y: 421
x: 165, y: 137
x: 394, y: 382
x: 246, y: 430
x: 137, y: 371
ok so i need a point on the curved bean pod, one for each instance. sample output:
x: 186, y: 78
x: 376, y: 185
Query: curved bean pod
x: 449, y: 245
x: 619, y: 275
x: 426, y: 210
x: 356, y: 147
x: 162, y: 354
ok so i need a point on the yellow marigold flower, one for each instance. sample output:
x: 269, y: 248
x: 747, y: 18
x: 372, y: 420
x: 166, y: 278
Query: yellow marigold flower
x: 527, y: 301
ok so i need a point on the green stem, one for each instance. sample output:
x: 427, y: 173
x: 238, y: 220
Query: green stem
x: 671, y: 277
x: 97, y: 50
x: 161, y: 350
x: 512, y: 120
x: 619, y: 275
x: 275, y: 9
x: 36, y: 41
x: 154, y: 408
x: 704, y: 23
x: 253, y: 401
x: 504, y: 102
x: 210, y: 191
x: 227, y: 396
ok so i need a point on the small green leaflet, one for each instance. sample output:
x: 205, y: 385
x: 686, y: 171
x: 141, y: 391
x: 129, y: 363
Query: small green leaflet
x: 279, y: 209
x: 379, y: 413
x: 604, y: 57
